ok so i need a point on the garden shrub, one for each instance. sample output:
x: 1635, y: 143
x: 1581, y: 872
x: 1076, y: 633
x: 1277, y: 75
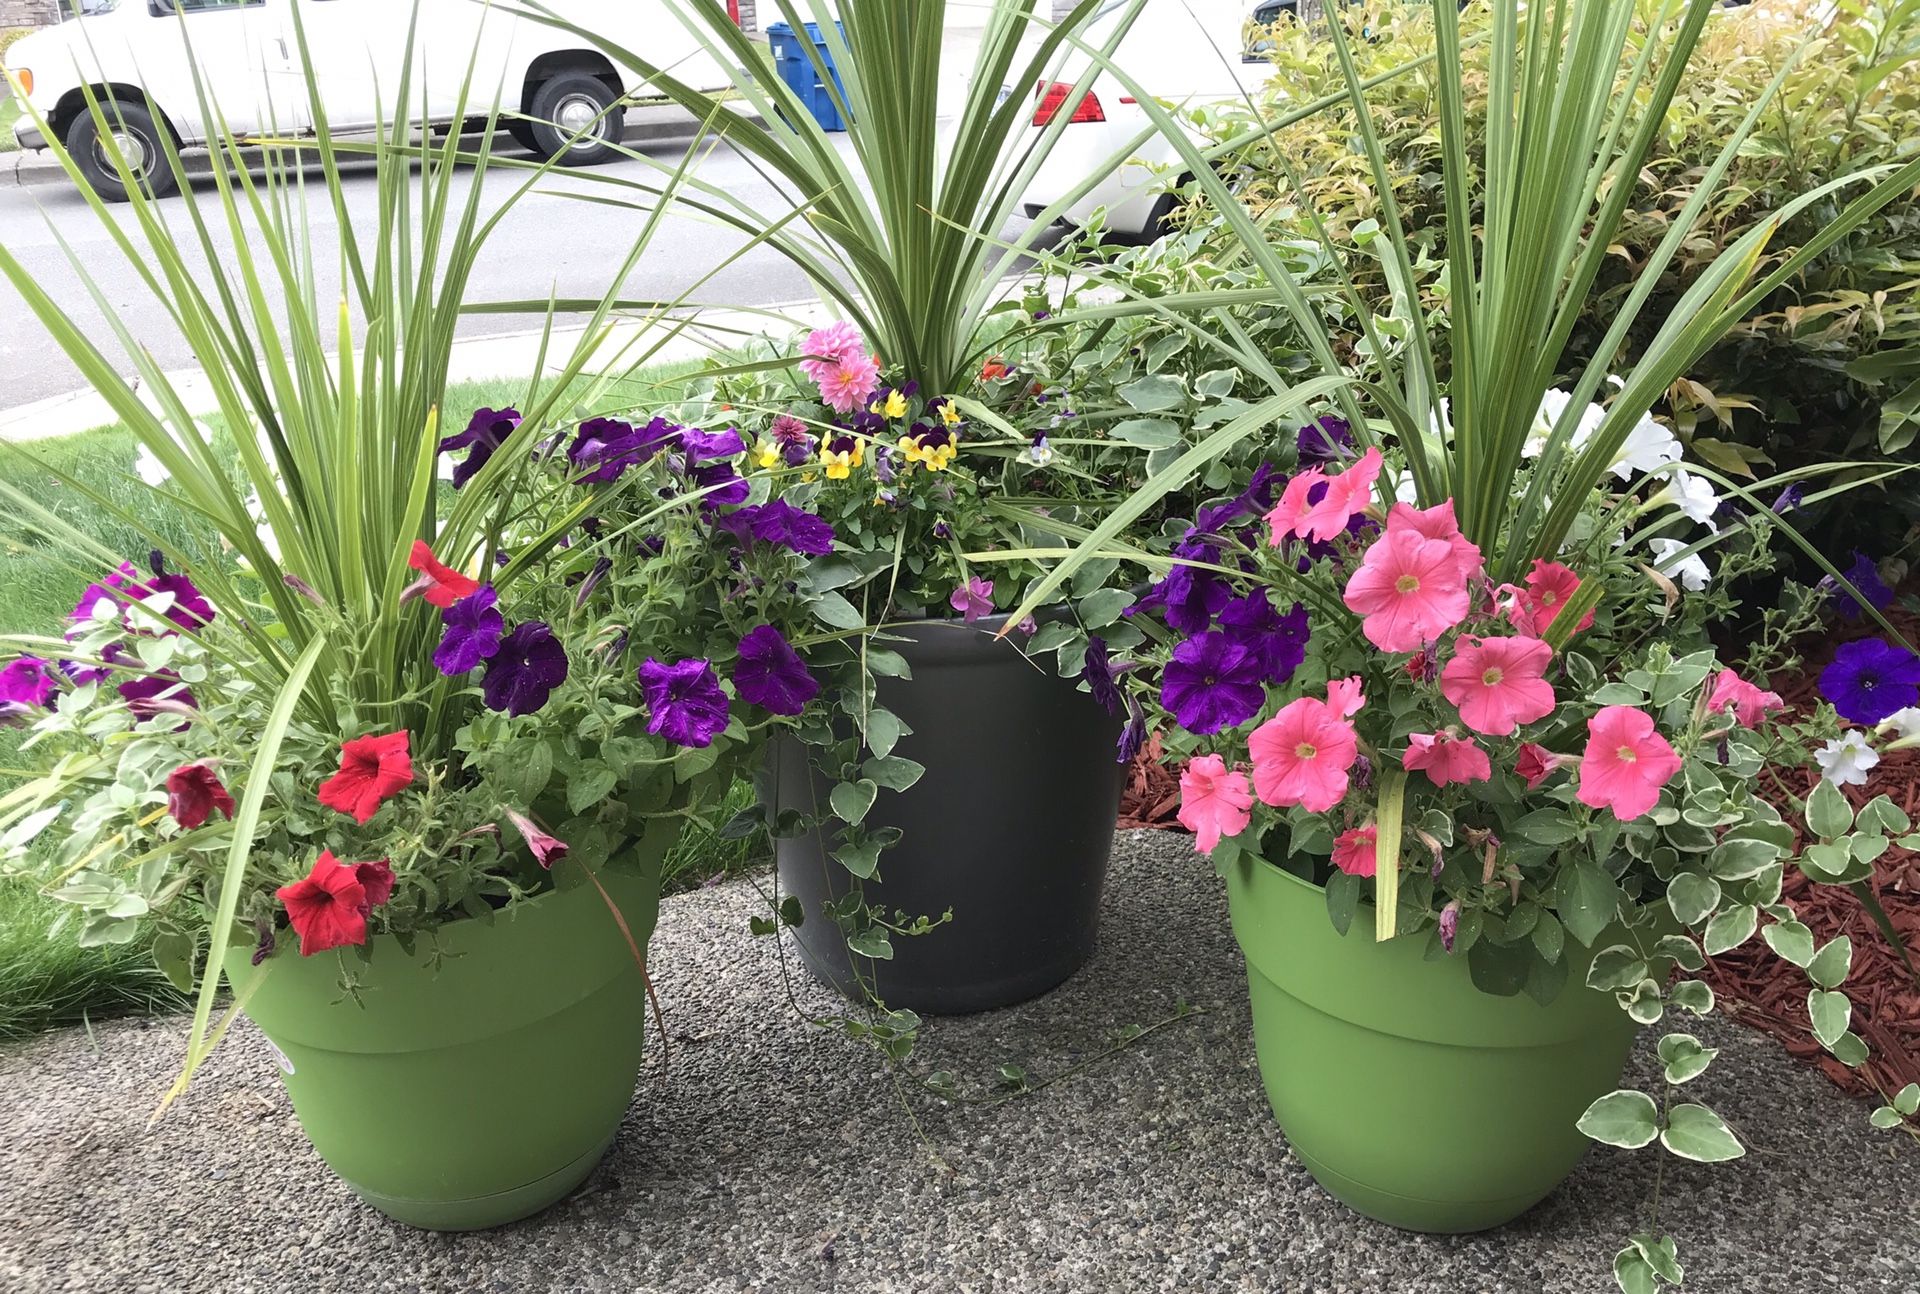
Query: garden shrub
x: 1829, y: 366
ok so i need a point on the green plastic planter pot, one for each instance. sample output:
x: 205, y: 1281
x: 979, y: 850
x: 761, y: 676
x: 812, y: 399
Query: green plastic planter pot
x: 477, y: 1088
x: 1410, y: 1095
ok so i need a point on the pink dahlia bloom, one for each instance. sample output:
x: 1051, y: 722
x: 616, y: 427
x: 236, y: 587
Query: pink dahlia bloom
x: 1408, y: 591
x: 1302, y: 756
x: 1214, y: 801
x: 1356, y: 852
x: 1306, y: 513
x: 1750, y: 703
x: 1626, y: 762
x: 1446, y: 759
x: 828, y: 347
x: 846, y: 384
x: 1499, y: 683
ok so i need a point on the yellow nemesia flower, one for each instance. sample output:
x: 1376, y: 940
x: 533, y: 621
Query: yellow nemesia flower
x: 896, y: 406
x: 938, y: 458
x: 767, y: 454
x: 949, y: 414
x: 911, y: 449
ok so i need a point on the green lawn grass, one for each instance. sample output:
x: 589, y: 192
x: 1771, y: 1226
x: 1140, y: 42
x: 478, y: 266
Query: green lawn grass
x: 10, y: 112
x: 49, y: 982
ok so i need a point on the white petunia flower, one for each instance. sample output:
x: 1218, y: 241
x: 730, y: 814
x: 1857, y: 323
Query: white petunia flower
x: 1552, y: 406
x: 1846, y: 760
x: 1690, y: 571
x: 1693, y: 496
x: 1904, y: 724
x: 258, y: 511
x: 148, y: 467
x: 1647, y: 447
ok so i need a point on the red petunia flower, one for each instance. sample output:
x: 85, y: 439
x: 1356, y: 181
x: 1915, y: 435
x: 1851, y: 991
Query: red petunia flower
x: 547, y: 850
x: 194, y: 792
x: 329, y: 908
x: 377, y: 880
x: 994, y: 369
x: 372, y: 770
x: 444, y: 585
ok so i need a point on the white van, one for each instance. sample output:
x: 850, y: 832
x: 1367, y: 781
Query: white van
x: 139, y: 58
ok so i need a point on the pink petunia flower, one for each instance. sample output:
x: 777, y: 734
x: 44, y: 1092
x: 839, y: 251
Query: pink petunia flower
x: 1306, y: 513
x: 1302, y: 756
x: 1535, y: 764
x: 1446, y: 759
x: 847, y: 384
x: 825, y: 348
x: 1438, y: 522
x: 1213, y: 801
x: 1499, y: 683
x: 1626, y: 762
x: 1408, y: 591
x: 1549, y: 585
x: 1356, y: 852
x: 972, y: 598
x: 1750, y: 703
x: 1345, y: 697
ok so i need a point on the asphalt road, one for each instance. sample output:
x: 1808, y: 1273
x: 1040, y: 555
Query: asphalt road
x: 548, y: 243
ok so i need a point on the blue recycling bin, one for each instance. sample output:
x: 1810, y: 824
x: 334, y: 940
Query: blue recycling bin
x: 796, y: 70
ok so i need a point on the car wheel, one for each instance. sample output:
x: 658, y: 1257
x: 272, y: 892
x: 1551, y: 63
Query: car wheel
x: 576, y: 104
x: 522, y: 134
x: 132, y: 128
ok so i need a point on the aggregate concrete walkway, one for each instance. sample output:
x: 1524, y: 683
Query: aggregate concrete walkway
x: 775, y: 1157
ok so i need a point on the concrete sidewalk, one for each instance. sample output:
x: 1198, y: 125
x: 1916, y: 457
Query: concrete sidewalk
x: 500, y: 355
x: 776, y: 1157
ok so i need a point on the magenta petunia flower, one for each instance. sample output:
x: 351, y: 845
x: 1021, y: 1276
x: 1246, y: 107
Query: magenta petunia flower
x: 972, y: 598
x: 523, y: 672
x: 1499, y: 683
x: 148, y: 695
x: 1446, y: 759
x: 1214, y: 801
x: 547, y: 850
x: 771, y: 674
x: 1303, y: 756
x: 26, y: 684
x: 473, y: 629
x: 685, y: 703
x: 1306, y: 511
x: 1626, y: 762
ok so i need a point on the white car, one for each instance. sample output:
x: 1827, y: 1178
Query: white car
x: 140, y: 56
x: 1185, y: 53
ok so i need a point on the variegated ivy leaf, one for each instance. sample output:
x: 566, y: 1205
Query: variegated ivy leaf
x: 1623, y: 1118
x: 1697, y: 1133
x: 1684, y: 1058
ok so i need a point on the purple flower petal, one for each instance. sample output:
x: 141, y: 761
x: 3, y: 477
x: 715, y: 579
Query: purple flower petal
x: 473, y: 629
x: 771, y: 674
x: 685, y: 703
x: 528, y: 665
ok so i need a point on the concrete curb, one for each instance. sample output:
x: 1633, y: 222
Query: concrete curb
x: 648, y: 127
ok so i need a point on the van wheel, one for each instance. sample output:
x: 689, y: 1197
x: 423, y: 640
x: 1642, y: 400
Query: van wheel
x: 521, y: 132
x: 571, y: 104
x: 133, y: 130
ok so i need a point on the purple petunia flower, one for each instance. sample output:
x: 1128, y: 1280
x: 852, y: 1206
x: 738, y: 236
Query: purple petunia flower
x: 1871, y: 679
x: 1326, y: 439
x: 1212, y: 683
x: 1254, y: 501
x: 972, y: 598
x: 727, y: 486
x: 26, y: 684
x: 704, y: 445
x: 781, y: 524
x: 522, y: 673
x: 1098, y: 673
x: 592, y: 581
x: 485, y: 433
x: 1133, y: 737
x: 771, y: 674
x: 1790, y: 499
x: 190, y: 610
x: 1278, y: 642
x: 473, y: 628
x: 1864, y: 575
x: 150, y: 694
x: 1189, y: 599
x: 684, y: 701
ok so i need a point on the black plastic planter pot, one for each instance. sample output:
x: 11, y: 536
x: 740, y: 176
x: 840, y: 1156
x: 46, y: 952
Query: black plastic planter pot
x: 1010, y: 827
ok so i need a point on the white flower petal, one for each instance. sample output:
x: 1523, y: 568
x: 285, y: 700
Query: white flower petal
x: 1847, y: 759
x: 1690, y: 571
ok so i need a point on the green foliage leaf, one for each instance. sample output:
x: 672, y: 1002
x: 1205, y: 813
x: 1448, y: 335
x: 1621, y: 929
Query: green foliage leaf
x: 1588, y: 900
x: 590, y: 786
x: 1148, y: 433
x: 1697, y: 1133
x: 836, y: 612
x: 850, y: 801
x: 1730, y: 928
x: 884, y: 730
x: 1791, y: 940
x: 1830, y: 1012
x: 1692, y: 995
x: 894, y: 772
x: 1684, y: 1058
x: 1623, y: 1118
x: 1343, y: 898
x: 1155, y: 393
x: 872, y: 942
x: 1829, y: 816
x: 1693, y: 897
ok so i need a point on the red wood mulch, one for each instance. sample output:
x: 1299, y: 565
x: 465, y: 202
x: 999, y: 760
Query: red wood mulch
x: 1753, y: 984
x: 1758, y: 988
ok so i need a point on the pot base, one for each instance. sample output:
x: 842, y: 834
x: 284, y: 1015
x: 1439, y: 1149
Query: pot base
x: 1427, y: 1217
x: 485, y: 1212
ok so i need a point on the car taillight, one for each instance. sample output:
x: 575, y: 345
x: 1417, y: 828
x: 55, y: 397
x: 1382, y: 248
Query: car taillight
x: 1053, y: 97
x: 25, y: 76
